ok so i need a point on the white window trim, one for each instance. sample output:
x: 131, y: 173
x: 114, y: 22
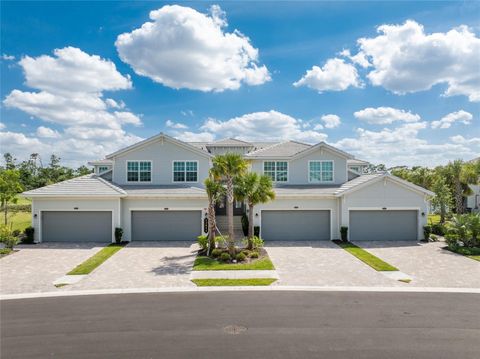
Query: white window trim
x: 126, y: 171
x: 288, y: 170
x: 109, y: 168
x: 185, y: 171
x: 321, y: 161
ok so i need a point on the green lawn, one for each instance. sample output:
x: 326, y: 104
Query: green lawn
x: 233, y: 282
x: 5, y: 252
x: 472, y: 253
x: 18, y: 220
x: 366, y: 257
x: 206, y: 263
x: 433, y: 219
x: 93, y: 262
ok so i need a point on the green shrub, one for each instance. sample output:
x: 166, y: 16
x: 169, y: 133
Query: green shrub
x: 203, y: 242
x: 344, y: 233
x: 7, y: 237
x: 257, y: 242
x: 256, y: 231
x: 246, y: 252
x: 225, y: 257
x: 216, y: 252
x: 29, y: 231
x: 427, y: 230
x: 221, y: 241
x: 245, y: 224
x: 16, y: 232
x: 438, y: 229
x: 452, y: 241
x: 240, y: 257
x: 254, y: 255
x: 434, y: 238
x: 118, y: 235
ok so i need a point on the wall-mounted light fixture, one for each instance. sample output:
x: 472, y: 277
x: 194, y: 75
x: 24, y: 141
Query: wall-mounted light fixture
x: 35, y: 215
x: 256, y: 214
x: 423, y: 214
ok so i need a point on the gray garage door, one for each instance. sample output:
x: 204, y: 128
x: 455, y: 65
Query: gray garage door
x: 383, y: 225
x: 166, y: 225
x: 295, y: 225
x: 77, y: 226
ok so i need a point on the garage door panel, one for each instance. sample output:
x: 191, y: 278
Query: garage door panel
x: 91, y: 226
x: 166, y: 225
x: 295, y: 225
x: 395, y: 225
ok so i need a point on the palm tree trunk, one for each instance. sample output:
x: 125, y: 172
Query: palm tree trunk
x: 442, y: 213
x: 211, y: 227
x: 231, y: 234
x: 250, y: 226
x: 458, y: 197
x: 6, y: 210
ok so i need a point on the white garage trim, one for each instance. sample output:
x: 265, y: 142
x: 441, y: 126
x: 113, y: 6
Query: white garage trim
x: 386, y: 209
x: 297, y: 209
x: 163, y: 209
x: 40, y: 231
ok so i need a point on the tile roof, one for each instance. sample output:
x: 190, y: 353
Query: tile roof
x: 85, y: 186
x: 306, y: 190
x: 172, y: 191
x: 282, y: 149
x: 357, y: 162
x: 230, y: 142
x: 357, y: 182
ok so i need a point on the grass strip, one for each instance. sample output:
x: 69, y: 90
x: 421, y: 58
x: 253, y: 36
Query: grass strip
x: 5, y: 252
x: 366, y: 257
x: 207, y: 263
x: 233, y: 282
x: 97, y: 259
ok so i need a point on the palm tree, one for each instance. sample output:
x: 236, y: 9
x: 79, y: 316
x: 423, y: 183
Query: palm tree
x: 215, y: 192
x: 228, y: 168
x: 254, y: 189
x: 460, y: 175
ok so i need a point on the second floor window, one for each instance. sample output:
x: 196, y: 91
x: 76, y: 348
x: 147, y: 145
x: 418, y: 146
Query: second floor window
x: 320, y: 171
x: 185, y: 171
x: 139, y: 171
x: 277, y: 170
x: 102, y: 169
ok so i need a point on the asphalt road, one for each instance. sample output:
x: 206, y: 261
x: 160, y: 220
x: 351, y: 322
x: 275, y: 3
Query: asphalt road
x: 243, y: 325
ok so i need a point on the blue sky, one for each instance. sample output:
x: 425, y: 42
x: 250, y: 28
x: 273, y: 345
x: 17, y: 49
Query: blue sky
x: 414, y: 100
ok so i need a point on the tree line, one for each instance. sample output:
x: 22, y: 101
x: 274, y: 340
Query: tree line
x: 33, y: 173
x: 450, y: 183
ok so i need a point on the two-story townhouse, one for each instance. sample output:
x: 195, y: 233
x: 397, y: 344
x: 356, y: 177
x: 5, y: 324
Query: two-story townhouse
x: 154, y: 191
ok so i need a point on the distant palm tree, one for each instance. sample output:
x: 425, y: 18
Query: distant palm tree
x: 460, y: 175
x: 254, y: 189
x: 227, y: 168
x: 215, y: 193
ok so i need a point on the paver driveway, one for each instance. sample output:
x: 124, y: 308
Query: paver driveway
x: 428, y: 263
x: 144, y: 265
x: 34, y: 267
x: 322, y: 264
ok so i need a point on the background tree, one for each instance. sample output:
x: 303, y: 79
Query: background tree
x: 254, y: 189
x: 227, y: 168
x: 215, y: 192
x: 459, y: 176
x: 442, y: 200
x: 9, y: 188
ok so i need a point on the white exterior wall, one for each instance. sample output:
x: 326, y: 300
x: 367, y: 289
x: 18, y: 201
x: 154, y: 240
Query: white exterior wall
x: 69, y: 204
x: 298, y: 171
x: 162, y: 154
x: 473, y: 201
x: 386, y: 194
x: 129, y: 205
x: 302, y: 204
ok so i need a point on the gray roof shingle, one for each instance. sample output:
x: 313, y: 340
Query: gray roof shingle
x: 85, y: 186
x: 282, y: 149
x: 164, y: 191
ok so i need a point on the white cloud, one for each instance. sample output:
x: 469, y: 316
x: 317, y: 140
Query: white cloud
x: 331, y: 121
x: 257, y: 126
x: 183, y: 48
x: 8, y: 57
x: 465, y: 141
x: 404, y: 146
x: 458, y: 116
x: 385, y: 115
x: 177, y: 125
x: 405, y: 59
x: 189, y: 136
x: 47, y: 132
x: 2, y: 126
x: 69, y: 93
x: 335, y: 75
x: 359, y: 59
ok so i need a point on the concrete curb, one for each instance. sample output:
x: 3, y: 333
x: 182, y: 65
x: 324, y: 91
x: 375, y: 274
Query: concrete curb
x: 275, y: 288
x: 233, y: 274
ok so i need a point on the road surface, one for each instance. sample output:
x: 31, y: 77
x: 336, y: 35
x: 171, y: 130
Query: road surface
x: 243, y: 325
